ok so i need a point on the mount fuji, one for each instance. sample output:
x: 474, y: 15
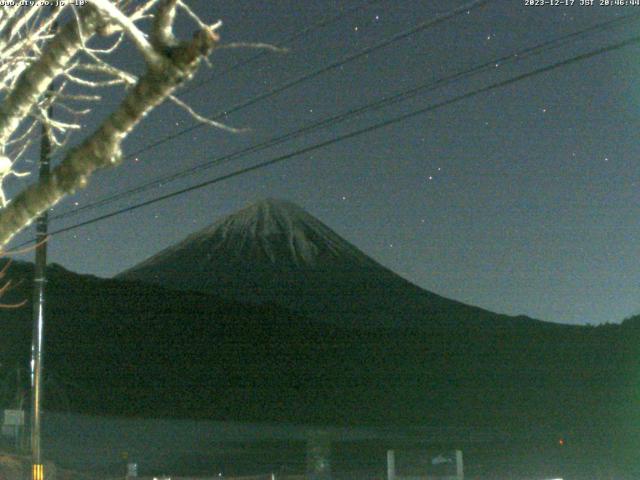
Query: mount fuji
x: 333, y: 338
x: 274, y: 252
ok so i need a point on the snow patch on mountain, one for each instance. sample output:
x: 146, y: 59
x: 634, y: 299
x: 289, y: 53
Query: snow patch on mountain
x: 274, y: 231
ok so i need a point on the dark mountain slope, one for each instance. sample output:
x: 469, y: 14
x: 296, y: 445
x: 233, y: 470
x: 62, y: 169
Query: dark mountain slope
x: 275, y: 252
x: 126, y: 348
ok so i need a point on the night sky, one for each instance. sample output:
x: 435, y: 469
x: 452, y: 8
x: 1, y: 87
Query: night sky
x: 520, y: 200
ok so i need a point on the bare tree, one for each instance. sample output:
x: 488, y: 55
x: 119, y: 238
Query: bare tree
x: 33, y: 54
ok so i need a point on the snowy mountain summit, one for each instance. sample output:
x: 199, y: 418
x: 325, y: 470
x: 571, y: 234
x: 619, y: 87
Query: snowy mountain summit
x: 275, y: 252
x: 280, y: 233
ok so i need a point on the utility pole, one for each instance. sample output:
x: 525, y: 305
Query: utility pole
x: 40, y: 280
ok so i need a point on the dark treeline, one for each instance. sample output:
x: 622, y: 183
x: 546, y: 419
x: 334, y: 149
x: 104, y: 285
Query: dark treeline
x: 124, y: 348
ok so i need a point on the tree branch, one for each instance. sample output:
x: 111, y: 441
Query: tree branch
x: 129, y: 28
x: 103, y: 148
x: 34, y: 81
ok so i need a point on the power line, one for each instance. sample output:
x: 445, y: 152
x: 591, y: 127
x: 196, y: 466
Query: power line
x: 296, y: 36
x: 355, y: 133
x: 305, y: 31
x: 468, y: 7
x: 330, y: 121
